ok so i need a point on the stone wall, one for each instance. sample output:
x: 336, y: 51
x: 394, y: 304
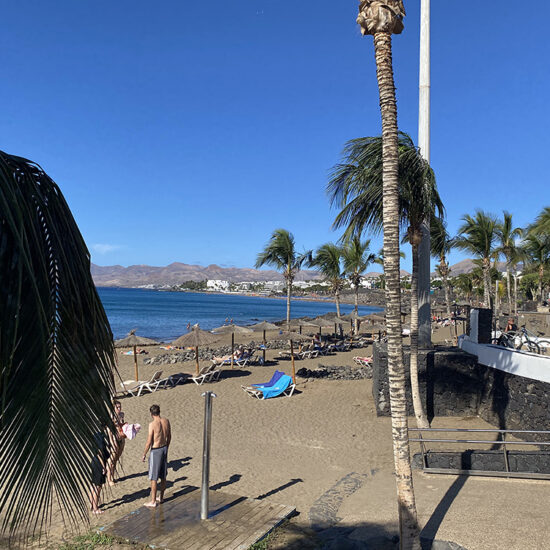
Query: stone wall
x: 452, y: 383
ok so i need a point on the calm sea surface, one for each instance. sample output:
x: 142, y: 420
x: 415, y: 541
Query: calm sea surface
x: 164, y: 315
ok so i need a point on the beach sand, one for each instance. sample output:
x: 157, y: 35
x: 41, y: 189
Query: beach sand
x: 324, y: 451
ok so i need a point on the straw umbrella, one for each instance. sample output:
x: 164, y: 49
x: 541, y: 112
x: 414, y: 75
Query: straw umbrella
x: 132, y: 340
x: 231, y: 329
x: 293, y: 337
x: 321, y: 322
x: 301, y: 323
x: 195, y: 338
x: 263, y: 326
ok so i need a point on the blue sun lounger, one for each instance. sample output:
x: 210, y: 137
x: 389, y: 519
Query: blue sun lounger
x: 274, y: 379
x: 283, y: 386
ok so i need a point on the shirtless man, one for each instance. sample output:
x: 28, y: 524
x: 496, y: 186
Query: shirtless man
x: 158, y: 441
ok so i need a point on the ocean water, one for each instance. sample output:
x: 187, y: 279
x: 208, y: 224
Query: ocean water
x: 165, y: 315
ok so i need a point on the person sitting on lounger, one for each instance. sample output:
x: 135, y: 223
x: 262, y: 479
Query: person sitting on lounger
x: 237, y: 354
x: 317, y: 342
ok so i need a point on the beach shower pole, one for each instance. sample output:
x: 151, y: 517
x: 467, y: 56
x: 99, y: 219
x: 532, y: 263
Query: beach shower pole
x: 206, y: 452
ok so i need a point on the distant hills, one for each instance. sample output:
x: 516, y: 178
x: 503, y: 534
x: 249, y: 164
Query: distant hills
x: 176, y: 273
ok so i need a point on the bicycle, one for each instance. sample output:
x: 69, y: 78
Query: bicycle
x: 529, y: 341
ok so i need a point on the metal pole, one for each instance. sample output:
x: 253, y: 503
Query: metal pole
x: 424, y: 317
x: 206, y: 452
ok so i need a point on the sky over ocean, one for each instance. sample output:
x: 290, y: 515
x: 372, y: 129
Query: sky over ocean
x: 187, y: 131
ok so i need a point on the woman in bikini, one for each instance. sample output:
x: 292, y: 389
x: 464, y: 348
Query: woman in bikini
x: 117, y: 442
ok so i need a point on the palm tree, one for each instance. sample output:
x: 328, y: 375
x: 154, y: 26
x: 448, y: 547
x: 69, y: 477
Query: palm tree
x: 477, y: 235
x: 507, y: 235
x: 536, y: 248
x: 542, y: 222
x: 280, y: 253
x: 356, y: 186
x: 464, y: 283
x: 382, y: 19
x: 328, y: 260
x: 56, y: 353
x: 441, y: 245
x: 356, y: 258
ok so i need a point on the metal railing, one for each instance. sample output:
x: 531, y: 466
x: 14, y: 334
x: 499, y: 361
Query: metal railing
x: 503, y: 443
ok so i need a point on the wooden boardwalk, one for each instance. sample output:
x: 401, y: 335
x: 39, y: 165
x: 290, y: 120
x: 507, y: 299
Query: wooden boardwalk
x: 234, y: 522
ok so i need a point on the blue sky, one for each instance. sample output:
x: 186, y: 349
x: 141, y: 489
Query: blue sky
x: 189, y: 131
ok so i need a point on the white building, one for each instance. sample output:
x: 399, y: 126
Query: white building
x: 217, y: 285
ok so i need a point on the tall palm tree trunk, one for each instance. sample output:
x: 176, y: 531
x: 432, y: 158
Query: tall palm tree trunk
x: 356, y: 321
x: 487, y: 282
x: 408, y: 524
x: 421, y: 418
x: 508, y: 288
x: 288, y: 295
x: 541, y: 276
x: 337, y: 300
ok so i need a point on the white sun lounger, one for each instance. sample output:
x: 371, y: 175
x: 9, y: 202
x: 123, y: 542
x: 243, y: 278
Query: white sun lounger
x: 208, y: 373
x: 135, y: 389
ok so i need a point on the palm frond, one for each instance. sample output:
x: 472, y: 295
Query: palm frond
x: 56, y: 353
x: 355, y: 187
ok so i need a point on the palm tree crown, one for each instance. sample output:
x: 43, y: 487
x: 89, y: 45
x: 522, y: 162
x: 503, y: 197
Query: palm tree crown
x: 477, y: 235
x: 280, y: 253
x: 355, y: 186
x: 356, y: 257
x: 328, y: 260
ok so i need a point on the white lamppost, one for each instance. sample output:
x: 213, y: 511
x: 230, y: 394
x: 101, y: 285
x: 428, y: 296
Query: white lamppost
x: 424, y: 317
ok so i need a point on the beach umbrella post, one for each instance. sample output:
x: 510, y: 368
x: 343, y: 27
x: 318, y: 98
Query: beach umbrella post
x: 293, y: 336
x: 195, y: 338
x: 231, y: 328
x: 263, y: 326
x: 133, y: 341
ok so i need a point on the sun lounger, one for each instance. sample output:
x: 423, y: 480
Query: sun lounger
x: 135, y: 389
x: 363, y: 361
x: 208, y: 373
x: 308, y: 354
x: 274, y: 379
x: 173, y: 380
x: 283, y: 386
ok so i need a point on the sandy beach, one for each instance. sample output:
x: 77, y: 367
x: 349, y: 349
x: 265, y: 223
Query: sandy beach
x: 324, y: 451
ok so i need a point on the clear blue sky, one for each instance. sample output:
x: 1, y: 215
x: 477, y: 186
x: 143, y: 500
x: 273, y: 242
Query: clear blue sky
x: 188, y: 131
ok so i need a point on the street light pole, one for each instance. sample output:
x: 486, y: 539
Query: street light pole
x: 424, y: 317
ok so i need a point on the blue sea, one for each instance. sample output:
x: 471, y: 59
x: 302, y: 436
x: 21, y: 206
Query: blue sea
x: 165, y: 315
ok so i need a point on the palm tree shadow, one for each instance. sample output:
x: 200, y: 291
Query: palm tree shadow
x: 433, y: 524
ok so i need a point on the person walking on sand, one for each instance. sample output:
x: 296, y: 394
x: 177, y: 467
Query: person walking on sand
x: 158, y: 442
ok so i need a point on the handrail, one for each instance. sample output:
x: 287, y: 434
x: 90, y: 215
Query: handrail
x: 502, y: 442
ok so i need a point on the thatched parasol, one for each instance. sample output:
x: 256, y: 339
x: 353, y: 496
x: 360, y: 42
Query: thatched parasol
x: 231, y: 329
x: 263, y: 326
x: 195, y: 338
x: 321, y: 322
x: 132, y: 340
x: 301, y: 323
x: 293, y: 337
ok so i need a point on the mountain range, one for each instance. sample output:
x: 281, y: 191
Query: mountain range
x: 176, y: 273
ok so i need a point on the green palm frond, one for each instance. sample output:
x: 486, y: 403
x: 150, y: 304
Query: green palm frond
x: 355, y: 186
x: 56, y: 353
x: 541, y: 224
x: 328, y: 260
x: 356, y: 258
x: 280, y: 253
x: 478, y: 234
